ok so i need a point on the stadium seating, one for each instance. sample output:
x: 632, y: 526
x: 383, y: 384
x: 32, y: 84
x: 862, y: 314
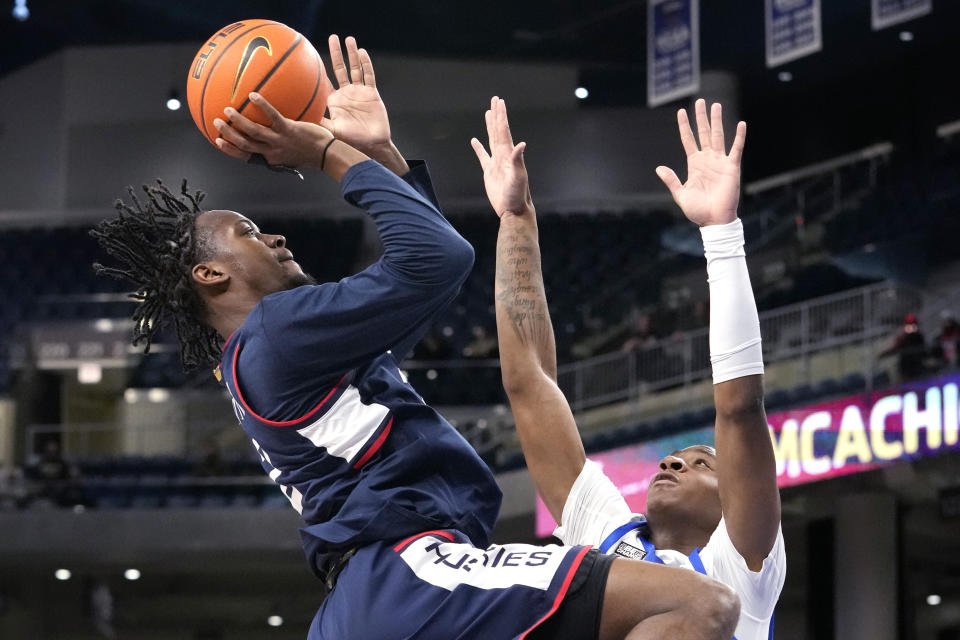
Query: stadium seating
x: 597, y: 266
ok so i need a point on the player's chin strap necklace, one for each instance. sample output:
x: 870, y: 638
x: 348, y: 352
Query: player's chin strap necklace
x: 331, y: 580
x: 650, y: 552
x: 257, y: 158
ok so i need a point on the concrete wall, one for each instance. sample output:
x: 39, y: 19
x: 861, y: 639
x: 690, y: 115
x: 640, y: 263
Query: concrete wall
x: 32, y: 137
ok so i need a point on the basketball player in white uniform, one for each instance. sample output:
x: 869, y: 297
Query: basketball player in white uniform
x: 713, y: 511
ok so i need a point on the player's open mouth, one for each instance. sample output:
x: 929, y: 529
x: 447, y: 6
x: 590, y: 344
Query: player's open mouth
x: 665, y: 476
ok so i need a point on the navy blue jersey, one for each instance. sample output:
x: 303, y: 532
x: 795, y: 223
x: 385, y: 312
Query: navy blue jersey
x: 314, y: 377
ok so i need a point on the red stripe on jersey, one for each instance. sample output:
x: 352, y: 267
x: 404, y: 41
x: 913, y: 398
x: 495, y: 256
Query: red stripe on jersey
x: 274, y: 423
x: 563, y: 591
x: 375, y: 446
x: 443, y: 534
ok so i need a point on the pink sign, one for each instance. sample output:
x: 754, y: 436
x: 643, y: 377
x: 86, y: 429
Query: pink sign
x: 825, y: 440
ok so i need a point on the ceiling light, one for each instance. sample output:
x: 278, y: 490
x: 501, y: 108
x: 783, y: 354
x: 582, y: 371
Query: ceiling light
x: 64, y: 574
x: 906, y: 36
x: 784, y: 76
x: 158, y: 394
x: 934, y: 599
x: 20, y: 10
x: 581, y: 93
x: 132, y: 574
x: 173, y: 102
x: 275, y: 620
x: 89, y: 373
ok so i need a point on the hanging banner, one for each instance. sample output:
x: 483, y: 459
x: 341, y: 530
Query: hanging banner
x: 826, y: 440
x: 673, y: 50
x: 891, y: 12
x: 793, y: 29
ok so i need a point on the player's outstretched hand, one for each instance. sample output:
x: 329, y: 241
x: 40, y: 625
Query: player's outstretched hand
x: 284, y: 141
x: 357, y: 113
x: 712, y: 190
x: 504, y: 173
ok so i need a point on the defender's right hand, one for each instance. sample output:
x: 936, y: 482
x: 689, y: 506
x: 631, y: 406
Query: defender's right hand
x: 504, y: 172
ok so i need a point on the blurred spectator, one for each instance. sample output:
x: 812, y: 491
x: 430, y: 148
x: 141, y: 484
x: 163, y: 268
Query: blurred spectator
x: 641, y: 334
x: 944, y: 348
x: 211, y: 464
x: 483, y: 344
x: 13, y: 489
x: 432, y: 346
x: 695, y: 316
x: 591, y: 322
x: 54, y: 477
x: 910, y: 348
x: 101, y: 608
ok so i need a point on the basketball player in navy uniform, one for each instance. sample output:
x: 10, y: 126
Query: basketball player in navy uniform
x: 397, y: 507
x: 714, y: 511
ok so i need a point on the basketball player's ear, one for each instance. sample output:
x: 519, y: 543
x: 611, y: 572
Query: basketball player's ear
x: 209, y: 276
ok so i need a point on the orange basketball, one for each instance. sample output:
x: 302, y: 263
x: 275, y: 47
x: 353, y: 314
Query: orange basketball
x: 256, y: 55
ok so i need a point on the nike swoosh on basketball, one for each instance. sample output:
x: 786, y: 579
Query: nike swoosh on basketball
x: 252, y: 46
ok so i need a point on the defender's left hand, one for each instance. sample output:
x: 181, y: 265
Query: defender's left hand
x: 712, y: 190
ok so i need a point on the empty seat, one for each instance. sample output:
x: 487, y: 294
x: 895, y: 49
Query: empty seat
x: 778, y: 399
x: 827, y: 387
x: 852, y: 383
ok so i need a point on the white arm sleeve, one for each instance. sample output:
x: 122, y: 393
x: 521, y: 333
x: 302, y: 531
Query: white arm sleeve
x: 735, y: 349
x: 593, y: 508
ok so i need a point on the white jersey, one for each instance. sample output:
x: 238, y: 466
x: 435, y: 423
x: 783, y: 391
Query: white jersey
x: 595, y: 513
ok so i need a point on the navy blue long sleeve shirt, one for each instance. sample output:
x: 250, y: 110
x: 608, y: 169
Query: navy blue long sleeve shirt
x: 315, y: 380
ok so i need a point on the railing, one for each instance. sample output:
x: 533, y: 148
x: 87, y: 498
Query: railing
x: 857, y: 316
x: 798, y: 330
x: 948, y: 129
x: 784, y: 203
x: 870, y: 155
x: 815, y: 191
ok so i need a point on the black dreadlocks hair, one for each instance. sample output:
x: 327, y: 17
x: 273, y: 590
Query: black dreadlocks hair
x: 157, y: 245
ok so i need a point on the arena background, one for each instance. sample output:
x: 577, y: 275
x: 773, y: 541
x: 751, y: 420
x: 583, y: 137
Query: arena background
x: 850, y: 202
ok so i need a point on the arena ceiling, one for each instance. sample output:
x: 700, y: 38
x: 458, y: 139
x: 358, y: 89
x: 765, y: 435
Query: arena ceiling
x: 598, y: 34
x: 863, y: 87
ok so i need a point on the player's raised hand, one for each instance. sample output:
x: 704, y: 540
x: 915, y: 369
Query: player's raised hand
x: 504, y: 173
x: 357, y: 113
x: 283, y: 141
x: 712, y: 190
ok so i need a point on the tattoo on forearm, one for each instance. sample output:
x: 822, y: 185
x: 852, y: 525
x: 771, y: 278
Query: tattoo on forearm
x: 519, y: 287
